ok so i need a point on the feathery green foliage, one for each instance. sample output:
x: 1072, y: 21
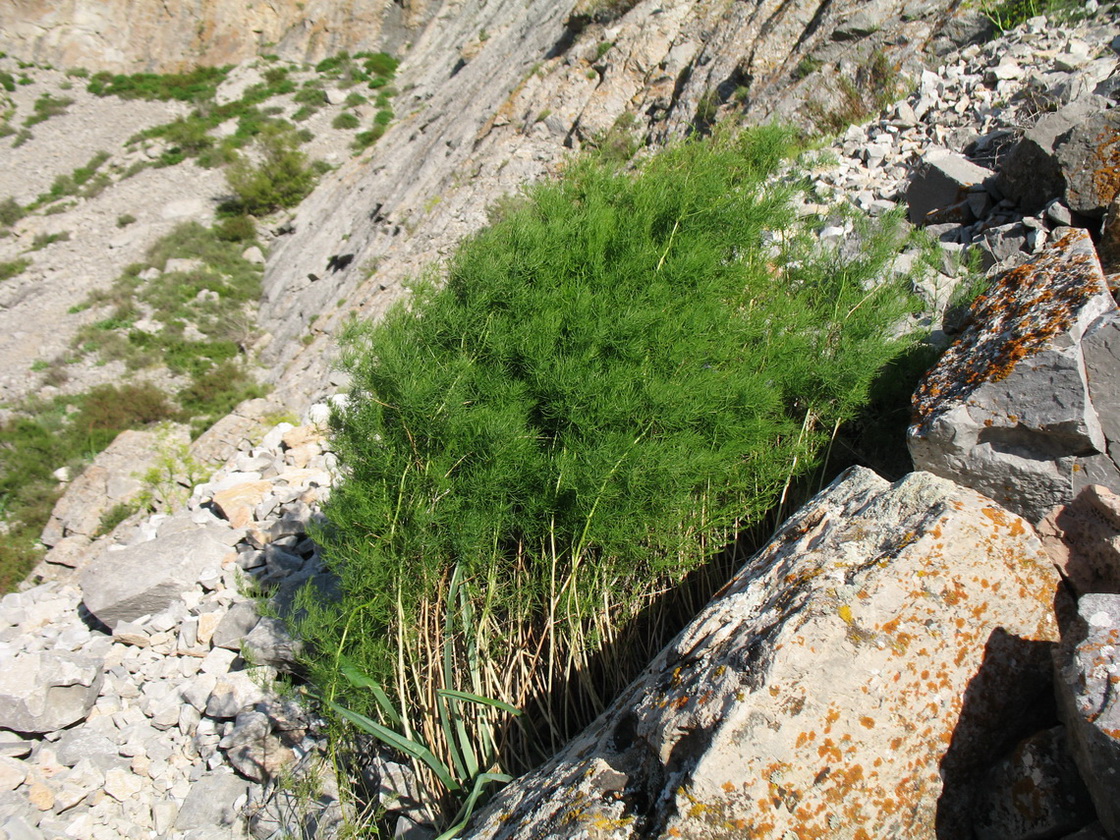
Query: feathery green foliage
x: 617, y: 375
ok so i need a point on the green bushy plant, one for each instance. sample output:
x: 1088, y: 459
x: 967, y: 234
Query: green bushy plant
x: 282, y: 179
x: 198, y: 84
x: 617, y: 376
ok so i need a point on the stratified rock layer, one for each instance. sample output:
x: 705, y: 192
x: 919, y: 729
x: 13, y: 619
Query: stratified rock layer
x: 855, y: 680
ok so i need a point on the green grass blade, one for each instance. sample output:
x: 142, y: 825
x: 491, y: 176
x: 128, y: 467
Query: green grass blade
x: 399, y: 742
x: 467, y: 810
x: 474, y: 698
x: 359, y: 680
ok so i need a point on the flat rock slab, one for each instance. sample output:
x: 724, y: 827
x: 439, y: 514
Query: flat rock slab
x: 941, y: 180
x: 44, y: 692
x: 1008, y: 410
x: 854, y: 680
x: 146, y: 578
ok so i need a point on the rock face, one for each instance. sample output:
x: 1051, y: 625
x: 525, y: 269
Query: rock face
x: 855, y: 679
x: 130, y: 36
x: 114, y: 477
x: 1011, y: 408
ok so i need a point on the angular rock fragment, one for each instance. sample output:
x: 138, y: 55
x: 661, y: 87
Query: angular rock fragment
x: 1008, y: 409
x: 1035, y: 791
x: 941, y: 181
x: 1083, y: 538
x: 145, y: 578
x: 43, y: 692
x: 855, y: 679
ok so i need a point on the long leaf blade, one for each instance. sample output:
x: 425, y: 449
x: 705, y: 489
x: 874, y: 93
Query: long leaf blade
x: 476, y: 698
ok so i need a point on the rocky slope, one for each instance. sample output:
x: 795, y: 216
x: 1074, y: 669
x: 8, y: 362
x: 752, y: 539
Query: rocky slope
x: 152, y: 724
x: 129, y: 36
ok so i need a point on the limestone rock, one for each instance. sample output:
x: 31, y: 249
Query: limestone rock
x: 1008, y: 410
x: 43, y: 692
x: 145, y: 578
x: 211, y: 802
x: 853, y: 680
x: 1090, y: 162
x: 235, y: 625
x: 1088, y: 667
x: 237, y: 503
x: 1033, y: 174
x: 253, y: 750
x: 113, y: 478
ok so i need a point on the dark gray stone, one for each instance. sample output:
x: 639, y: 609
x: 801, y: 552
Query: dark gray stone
x: 1089, y: 157
x: 1032, y: 174
x: 1033, y: 792
x: 942, y: 180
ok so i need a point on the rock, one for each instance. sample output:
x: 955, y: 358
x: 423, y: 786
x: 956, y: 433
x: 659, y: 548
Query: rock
x: 270, y: 643
x: 1083, y: 538
x: 854, y: 679
x: 211, y: 801
x: 1033, y: 792
x: 1109, y: 247
x: 238, y: 502
x: 1089, y: 158
x: 254, y: 255
x: 236, y: 625
x: 121, y: 784
x: 43, y: 692
x: 145, y: 578
x: 941, y: 180
x: 1007, y: 409
x: 12, y: 773
x: 252, y: 749
x: 1033, y: 174
x: 110, y: 480
x: 1088, y: 669
x: 232, y: 693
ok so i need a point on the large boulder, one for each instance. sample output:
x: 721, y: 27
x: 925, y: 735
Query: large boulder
x: 1011, y: 409
x: 1037, y: 169
x: 857, y: 679
x: 943, y: 180
x: 146, y: 578
x: 42, y: 692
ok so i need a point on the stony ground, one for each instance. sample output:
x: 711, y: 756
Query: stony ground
x: 178, y: 740
x: 37, y: 318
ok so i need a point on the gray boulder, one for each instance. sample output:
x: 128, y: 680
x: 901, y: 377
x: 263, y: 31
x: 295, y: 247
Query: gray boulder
x: 942, y: 180
x: 1089, y: 157
x: 146, y: 578
x: 270, y: 643
x: 1009, y: 410
x: 1087, y: 666
x: 43, y: 692
x: 1034, y: 172
x: 236, y: 625
x: 855, y: 679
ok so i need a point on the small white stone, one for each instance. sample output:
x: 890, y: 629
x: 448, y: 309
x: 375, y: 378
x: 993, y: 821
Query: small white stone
x: 1100, y: 619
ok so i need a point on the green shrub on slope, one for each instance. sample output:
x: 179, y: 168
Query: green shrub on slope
x: 617, y: 376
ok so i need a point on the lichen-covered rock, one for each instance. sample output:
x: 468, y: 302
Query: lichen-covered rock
x: 1033, y: 792
x: 1033, y: 174
x: 854, y: 680
x: 1088, y: 669
x: 1008, y: 410
x: 1090, y: 161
